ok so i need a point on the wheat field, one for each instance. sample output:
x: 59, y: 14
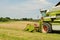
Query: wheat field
x: 14, y: 31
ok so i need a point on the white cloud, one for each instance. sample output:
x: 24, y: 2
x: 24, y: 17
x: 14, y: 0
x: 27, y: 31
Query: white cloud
x: 30, y: 5
x: 24, y: 8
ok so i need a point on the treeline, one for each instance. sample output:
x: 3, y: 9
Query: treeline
x: 26, y: 19
x: 5, y: 19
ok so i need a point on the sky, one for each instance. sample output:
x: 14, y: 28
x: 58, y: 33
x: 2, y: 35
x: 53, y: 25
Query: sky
x: 24, y: 8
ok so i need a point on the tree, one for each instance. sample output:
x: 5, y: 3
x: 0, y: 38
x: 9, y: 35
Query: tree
x: 7, y: 18
x: 4, y: 19
x: 24, y: 18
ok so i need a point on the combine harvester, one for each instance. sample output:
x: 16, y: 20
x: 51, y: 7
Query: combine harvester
x: 50, y: 20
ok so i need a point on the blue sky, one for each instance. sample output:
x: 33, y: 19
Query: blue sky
x: 24, y: 8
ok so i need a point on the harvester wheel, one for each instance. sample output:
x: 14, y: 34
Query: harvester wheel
x: 46, y: 28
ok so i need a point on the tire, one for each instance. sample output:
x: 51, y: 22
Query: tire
x: 46, y: 28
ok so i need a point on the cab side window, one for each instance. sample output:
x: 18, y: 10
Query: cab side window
x: 58, y: 15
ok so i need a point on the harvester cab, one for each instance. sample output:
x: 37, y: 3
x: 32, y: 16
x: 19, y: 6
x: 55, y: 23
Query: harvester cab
x: 43, y: 12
